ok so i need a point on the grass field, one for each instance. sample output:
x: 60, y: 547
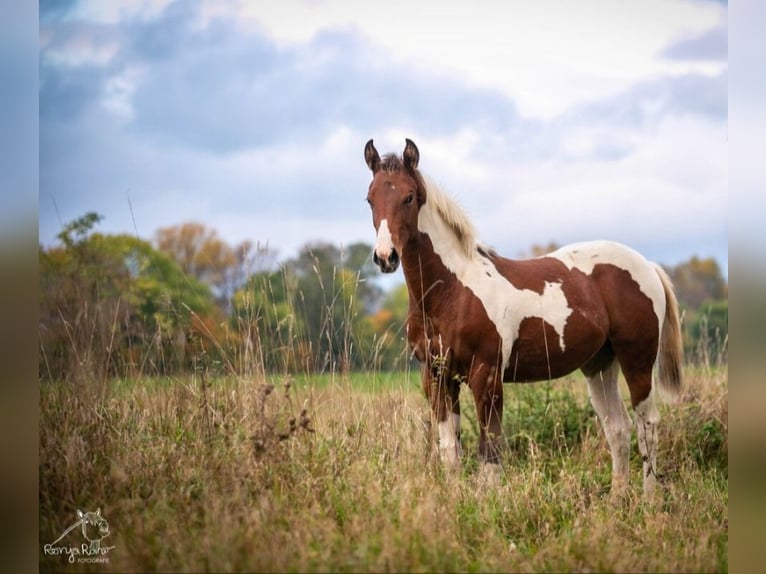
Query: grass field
x: 337, y: 473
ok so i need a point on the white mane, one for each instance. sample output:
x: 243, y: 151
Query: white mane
x: 452, y: 217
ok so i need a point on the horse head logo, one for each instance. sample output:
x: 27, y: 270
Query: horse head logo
x: 94, y: 527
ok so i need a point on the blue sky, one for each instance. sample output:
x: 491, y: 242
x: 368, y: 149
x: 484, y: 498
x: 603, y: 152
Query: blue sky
x: 548, y: 121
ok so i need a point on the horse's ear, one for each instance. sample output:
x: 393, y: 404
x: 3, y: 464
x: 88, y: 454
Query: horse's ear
x: 372, y: 157
x: 411, y: 155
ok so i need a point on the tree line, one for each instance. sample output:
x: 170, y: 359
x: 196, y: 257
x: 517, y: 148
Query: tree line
x: 121, y: 306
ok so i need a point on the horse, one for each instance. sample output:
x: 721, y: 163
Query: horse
x: 481, y: 319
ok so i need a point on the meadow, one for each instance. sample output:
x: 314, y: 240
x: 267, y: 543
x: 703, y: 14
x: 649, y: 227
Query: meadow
x: 338, y: 473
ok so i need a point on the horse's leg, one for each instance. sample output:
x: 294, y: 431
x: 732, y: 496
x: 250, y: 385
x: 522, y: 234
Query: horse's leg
x: 637, y: 368
x: 647, y: 418
x: 607, y: 402
x: 487, y: 388
x: 443, y: 395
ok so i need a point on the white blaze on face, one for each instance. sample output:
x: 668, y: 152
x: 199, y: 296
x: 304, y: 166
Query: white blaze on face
x: 384, y: 245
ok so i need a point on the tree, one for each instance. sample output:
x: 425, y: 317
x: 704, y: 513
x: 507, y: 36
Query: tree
x: 313, y: 313
x: 328, y: 297
x: 202, y: 254
x: 698, y: 280
x: 113, y: 305
x: 197, y: 250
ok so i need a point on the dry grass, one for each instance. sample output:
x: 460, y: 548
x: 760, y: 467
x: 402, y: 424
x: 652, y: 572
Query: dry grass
x: 200, y: 475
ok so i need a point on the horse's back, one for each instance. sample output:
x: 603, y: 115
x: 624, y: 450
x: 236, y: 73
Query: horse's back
x: 623, y: 276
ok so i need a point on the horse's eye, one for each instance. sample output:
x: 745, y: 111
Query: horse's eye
x: 369, y: 201
x: 408, y: 199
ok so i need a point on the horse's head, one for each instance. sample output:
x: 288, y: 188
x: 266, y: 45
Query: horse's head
x: 396, y: 194
x: 94, y: 526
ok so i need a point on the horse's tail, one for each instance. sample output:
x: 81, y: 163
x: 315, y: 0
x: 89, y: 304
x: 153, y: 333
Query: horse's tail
x: 671, y: 351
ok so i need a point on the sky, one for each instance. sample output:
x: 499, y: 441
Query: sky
x: 548, y: 121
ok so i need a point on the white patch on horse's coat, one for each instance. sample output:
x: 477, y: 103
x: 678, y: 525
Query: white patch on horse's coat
x: 506, y: 306
x: 449, y: 445
x: 384, y: 243
x: 585, y: 256
x: 447, y: 437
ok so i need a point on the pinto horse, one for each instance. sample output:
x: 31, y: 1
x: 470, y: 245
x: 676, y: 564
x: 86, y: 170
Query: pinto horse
x: 482, y: 319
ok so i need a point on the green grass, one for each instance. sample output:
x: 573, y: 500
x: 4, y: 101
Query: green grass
x: 209, y: 473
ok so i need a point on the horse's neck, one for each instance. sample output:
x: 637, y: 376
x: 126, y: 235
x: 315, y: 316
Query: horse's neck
x: 434, y: 260
x: 429, y: 280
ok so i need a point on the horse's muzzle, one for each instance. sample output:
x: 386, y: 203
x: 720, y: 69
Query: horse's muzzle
x: 388, y: 264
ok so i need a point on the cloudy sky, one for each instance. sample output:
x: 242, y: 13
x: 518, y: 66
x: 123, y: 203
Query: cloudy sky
x: 548, y: 121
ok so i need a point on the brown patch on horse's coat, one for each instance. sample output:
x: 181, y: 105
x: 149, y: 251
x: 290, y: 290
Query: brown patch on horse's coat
x: 599, y: 362
x: 455, y: 322
x: 536, y: 355
x: 636, y: 341
x: 530, y: 274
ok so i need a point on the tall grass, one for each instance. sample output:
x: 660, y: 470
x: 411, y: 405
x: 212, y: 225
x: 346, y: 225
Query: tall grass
x: 252, y: 475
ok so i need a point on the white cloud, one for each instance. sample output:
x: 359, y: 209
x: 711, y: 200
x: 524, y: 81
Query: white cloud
x: 546, y: 55
x: 671, y: 189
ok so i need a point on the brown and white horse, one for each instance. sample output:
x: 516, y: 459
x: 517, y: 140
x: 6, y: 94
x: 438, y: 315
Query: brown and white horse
x: 478, y: 318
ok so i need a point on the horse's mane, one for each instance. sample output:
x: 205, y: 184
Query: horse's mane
x: 442, y: 204
x: 452, y: 215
